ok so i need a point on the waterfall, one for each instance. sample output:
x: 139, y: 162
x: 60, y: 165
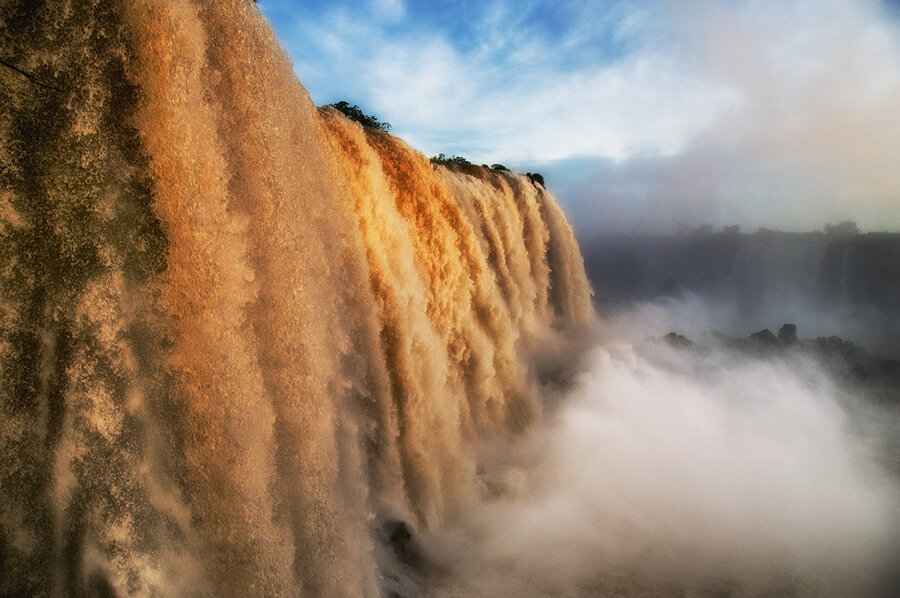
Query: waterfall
x: 238, y: 331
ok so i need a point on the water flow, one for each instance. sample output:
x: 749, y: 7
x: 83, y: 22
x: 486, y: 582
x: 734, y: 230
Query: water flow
x: 238, y: 333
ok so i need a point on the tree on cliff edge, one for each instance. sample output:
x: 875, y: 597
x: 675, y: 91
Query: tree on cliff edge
x: 354, y: 113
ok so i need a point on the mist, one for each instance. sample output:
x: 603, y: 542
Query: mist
x: 665, y: 472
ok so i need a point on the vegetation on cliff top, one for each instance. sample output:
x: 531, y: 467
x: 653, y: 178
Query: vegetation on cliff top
x: 467, y: 167
x: 355, y: 113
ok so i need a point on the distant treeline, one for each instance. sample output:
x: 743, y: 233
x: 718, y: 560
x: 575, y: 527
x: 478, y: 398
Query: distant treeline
x: 847, y: 228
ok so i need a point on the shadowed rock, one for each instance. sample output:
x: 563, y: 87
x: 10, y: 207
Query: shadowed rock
x: 764, y: 338
x: 787, y: 334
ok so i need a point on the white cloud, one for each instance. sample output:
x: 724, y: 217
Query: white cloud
x: 523, y: 107
x: 814, y: 137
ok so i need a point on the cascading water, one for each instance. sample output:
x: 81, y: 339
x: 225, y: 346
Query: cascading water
x: 235, y: 328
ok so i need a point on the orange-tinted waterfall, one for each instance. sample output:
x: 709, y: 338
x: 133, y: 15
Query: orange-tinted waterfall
x: 238, y: 331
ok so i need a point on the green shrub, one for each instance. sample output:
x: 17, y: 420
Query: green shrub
x: 442, y: 159
x: 354, y: 113
x: 536, y: 178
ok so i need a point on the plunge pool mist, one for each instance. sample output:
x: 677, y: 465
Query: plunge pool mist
x: 667, y: 471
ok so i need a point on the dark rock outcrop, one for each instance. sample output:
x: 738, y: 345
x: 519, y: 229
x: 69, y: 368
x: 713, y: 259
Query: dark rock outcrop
x: 787, y: 334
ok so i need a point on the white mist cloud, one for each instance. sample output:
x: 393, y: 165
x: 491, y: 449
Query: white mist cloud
x: 697, y: 475
x: 811, y: 138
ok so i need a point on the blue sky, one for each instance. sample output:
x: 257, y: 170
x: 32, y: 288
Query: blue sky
x: 641, y: 115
